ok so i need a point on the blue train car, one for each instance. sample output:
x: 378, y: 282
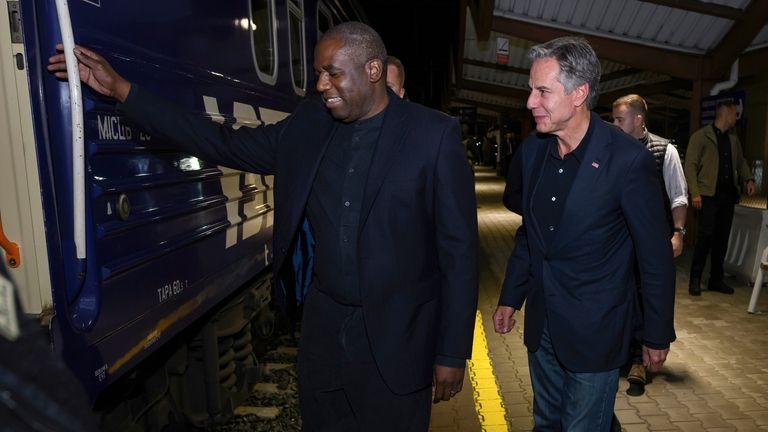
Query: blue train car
x: 156, y: 264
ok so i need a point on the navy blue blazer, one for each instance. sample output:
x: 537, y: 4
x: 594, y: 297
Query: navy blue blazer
x: 582, y: 284
x: 418, y: 243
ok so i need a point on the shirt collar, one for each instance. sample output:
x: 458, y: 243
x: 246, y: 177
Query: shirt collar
x: 371, y: 122
x: 645, y: 138
x: 581, y: 149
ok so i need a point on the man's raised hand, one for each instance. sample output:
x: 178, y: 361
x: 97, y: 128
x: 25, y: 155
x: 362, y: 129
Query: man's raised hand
x: 94, y: 70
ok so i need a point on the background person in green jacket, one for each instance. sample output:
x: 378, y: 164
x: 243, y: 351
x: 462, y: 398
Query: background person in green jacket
x: 715, y: 168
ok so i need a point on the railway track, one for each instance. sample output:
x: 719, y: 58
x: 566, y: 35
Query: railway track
x: 273, y: 405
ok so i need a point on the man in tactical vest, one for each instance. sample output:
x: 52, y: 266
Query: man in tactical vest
x: 629, y: 113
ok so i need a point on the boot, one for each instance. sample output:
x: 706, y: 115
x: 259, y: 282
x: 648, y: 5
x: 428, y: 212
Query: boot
x: 636, y: 379
x: 694, y: 286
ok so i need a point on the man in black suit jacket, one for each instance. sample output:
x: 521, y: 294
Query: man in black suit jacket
x: 384, y: 189
x: 592, y: 206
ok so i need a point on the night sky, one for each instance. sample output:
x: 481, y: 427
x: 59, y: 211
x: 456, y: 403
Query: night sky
x: 421, y: 33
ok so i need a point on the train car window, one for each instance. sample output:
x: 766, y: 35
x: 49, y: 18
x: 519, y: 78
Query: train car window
x: 324, y: 20
x: 263, y: 39
x: 298, y: 57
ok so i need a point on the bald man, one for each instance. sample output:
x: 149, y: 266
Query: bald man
x: 383, y: 188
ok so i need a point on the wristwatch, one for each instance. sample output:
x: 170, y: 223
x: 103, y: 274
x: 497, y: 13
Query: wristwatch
x: 681, y: 230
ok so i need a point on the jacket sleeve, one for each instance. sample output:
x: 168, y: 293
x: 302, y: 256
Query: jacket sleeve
x: 516, y: 284
x: 514, y: 289
x: 643, y: 208
x: 455, y: 213
x: 248, y: 149
x: 513, y: 191
x: 692, y: 165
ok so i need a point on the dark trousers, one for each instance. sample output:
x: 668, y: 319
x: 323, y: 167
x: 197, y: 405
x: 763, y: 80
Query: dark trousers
x: 712, y: 232
x: 340, y: 387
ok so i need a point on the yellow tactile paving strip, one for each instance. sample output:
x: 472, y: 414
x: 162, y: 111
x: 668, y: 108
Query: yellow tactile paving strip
x: 488, y: 403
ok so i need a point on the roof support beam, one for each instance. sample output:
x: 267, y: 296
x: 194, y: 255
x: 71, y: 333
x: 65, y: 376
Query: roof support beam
x: 482, y: 14
x: 676, y: 96
x: 458, y: 62
x: 621, y: 73
x: 493, y: 89
x: 754, y: 63
x: 644, y: 90
x: 485, y: 105
x: 517, y: 70
x: 681, y: 65
x: 712, y: 9
x: 719, y: 60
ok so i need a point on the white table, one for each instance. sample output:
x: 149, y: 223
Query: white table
x: 746, y: 245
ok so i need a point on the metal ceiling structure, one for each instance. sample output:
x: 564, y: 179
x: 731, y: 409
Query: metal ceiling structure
x: 669, y: 51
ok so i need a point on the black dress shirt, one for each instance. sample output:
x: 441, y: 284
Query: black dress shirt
x: 725, y: 188
x: 555, y: 183
x: 334, y: 207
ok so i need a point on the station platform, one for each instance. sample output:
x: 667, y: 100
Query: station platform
x: 715, y: 378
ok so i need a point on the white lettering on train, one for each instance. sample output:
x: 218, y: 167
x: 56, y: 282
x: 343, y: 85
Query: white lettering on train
x: 171, y: 290
x: 111, y: 128
x: 100, y: 373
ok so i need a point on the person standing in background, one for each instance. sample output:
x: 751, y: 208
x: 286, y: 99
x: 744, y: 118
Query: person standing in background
x: 629, y: 114
x: 715, y: 168
x: 507, y: 148
x: 382, y: 187
x: 396, y: 76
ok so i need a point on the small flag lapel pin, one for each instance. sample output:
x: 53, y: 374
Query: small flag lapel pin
x: 595, y: 164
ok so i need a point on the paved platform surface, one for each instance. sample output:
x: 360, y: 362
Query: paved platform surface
x: 715, y: 379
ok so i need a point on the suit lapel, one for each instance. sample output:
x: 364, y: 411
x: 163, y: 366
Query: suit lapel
x: 307, y: 161
x: 387, y: 147
x: 536, y: 171
x: 310, y: 163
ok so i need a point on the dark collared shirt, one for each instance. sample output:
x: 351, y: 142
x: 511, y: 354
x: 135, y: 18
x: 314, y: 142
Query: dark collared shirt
x: 334, y: 207
x: 725, y: 164
x: 555, y: 183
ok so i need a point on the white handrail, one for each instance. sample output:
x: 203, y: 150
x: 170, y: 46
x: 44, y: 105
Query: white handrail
x: 76, y: 108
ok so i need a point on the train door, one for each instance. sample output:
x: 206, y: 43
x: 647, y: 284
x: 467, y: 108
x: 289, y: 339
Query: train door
x: 20, y: 199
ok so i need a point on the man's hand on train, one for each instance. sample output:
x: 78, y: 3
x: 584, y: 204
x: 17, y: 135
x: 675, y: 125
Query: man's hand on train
x: 502, y: 319
x: 95, y: 71
x: 447, y: 382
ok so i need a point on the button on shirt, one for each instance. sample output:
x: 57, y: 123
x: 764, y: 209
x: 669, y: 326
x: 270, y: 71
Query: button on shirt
x: 554, y: 185
x: 334, y: 207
